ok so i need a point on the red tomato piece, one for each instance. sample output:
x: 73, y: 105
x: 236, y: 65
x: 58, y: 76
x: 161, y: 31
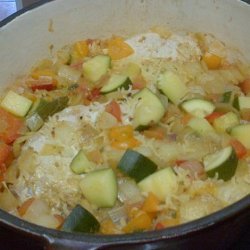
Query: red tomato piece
x: 114, y: 109
x: 10, y: 126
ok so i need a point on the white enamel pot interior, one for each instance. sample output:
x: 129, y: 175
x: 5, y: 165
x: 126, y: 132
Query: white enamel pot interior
x: 38, y: 32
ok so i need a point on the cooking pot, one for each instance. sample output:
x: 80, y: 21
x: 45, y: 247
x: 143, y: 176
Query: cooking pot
x: 37, y: 32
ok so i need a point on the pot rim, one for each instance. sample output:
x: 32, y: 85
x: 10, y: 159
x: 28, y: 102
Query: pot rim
x: 13, y: 222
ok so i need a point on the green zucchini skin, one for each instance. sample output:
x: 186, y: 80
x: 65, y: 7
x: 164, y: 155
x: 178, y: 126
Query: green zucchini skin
x: 136, y: 165
x: 227, y: 169
x: 116, y: 82
x: 42, y: 109
x: 81, y: 220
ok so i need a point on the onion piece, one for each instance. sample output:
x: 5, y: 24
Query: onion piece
x: 39, y: 213
x: 128, y: 191
x: 118, y: 214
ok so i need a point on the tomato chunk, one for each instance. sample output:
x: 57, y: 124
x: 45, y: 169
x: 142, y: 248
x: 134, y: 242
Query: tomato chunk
x: 10, y: 126
x: 239, y: 148
x: 114, y: 109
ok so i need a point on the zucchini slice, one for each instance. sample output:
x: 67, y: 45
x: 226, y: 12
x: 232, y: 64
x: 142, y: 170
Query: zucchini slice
x: 81, y: 220
x: 160, y: 183
x: 132, y: 70
x: 226, y: 121
x: 96, y: 67
x: 116, y: 82
x: 244, y: 102
x: 16, y: 104
x: 80, y: 163
x: 200, y: 125
x: 42, y: 109
x: 172, y: 86
x: 148, y: 108
x: 136, y: 165
x: 227, y: 97
x: 100, y: 187
x: 198, y: 107
x: 223, y: 163
x: 242, y: 133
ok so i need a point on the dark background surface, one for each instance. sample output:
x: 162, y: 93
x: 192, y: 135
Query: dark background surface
x: 11, y: 240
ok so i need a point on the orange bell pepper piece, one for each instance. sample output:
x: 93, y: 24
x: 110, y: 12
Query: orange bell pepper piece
x: 140, y: 223
x: 122, y: 137
x: 151, y: 204
x: 118, y: 49
x: 81, y: 48
x: 108, y: 227
x: 212, y: 61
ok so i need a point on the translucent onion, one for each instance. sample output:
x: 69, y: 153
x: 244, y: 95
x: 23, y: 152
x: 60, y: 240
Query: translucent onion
x: 39, y: 213
x: 117, y: 214
x: 128, y: 191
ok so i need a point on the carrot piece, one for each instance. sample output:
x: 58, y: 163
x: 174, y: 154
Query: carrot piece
x: 210, y: 118
x: 140, y: 223
x: 212, y: 61
x: 157, y: 133
x: 114, y: 109
x: 24, y: 207
x: 239, y: 148
x: 10, y: 126
x: 118, y: 49
x: 151, y: 204
x: 245, y: 86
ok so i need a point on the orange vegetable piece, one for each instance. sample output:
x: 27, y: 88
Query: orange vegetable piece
x: 210, y: 118
x: 108, y: 227
x: 140, y: 223
x: 212, y: 61
x: 151, y: 204
x: 24, y: 207
x: 114, y: 109
x: 10, y: 126
x: 36, y: 74
x: 167, y: 223
x: 245, y: 86
x: 5, y: 151
x: 81, y: 48
x: 60, y: 220
x: 239, y: 148
x: 118, y: 49
x: 186, y: 118
x: 122, y: 137
x: 157, y: 133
